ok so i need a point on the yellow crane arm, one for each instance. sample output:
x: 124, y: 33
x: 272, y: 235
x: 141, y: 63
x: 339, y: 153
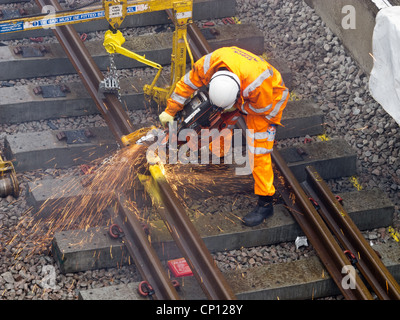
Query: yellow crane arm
x: 113, y: 42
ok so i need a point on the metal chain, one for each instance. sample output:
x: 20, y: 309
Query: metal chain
x: 110, y: 84
x: 114, y: 76
x: 113, y: 68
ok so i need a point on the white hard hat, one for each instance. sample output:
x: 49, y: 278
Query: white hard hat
x: 224, y: 89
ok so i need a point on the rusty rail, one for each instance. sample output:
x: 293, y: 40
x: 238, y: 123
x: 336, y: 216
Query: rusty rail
x: 321, y: 238
x: 110, y: 107
x: 189, y: 242
x: 145, y: 257
x: 320, y: 233
x: 323, y: 222
x: 350, y: 237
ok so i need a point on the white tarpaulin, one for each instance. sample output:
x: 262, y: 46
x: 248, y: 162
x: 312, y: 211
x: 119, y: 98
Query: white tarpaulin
x: 384, y: 83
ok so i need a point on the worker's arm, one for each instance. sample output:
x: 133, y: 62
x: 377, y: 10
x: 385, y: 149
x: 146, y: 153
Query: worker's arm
x: 192, y: 81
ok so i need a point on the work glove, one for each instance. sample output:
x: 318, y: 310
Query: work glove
x: 237, y: 104
x: 231, y: 109
x: 165, y: 118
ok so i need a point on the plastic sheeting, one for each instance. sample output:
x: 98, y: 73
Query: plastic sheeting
x: 384, y: 83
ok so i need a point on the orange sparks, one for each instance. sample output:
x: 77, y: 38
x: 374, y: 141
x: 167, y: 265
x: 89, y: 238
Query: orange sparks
x: 64, y: 210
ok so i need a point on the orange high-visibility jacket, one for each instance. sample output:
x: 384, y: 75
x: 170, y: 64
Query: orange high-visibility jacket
x: 262, y: 89
x: 263, y: 96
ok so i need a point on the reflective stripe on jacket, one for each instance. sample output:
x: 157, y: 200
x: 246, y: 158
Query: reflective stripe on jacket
x: 263, y: 92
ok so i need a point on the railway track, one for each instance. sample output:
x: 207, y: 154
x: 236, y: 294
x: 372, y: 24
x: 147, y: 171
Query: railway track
x: 210, y: 279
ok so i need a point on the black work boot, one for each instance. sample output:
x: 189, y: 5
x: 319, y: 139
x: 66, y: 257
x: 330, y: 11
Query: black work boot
x: 262, y: 211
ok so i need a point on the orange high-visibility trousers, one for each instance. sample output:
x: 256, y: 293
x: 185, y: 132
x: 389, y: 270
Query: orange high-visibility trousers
x: 221, y: 145
x: 260, y: 143
x: 260, y: 139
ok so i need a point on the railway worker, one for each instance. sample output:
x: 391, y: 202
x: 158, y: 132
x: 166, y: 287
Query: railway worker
x: 239, y: 79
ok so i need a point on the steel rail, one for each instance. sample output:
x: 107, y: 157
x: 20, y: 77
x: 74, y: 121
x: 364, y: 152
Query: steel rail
x: 189, y: 242
x: 317, y: 232
x: 144, y: 255
x: 320, y: 236
x: 350, y: 237
x: 110, y: 107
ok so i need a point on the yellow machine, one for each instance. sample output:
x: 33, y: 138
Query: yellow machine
x: 115, y: 11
